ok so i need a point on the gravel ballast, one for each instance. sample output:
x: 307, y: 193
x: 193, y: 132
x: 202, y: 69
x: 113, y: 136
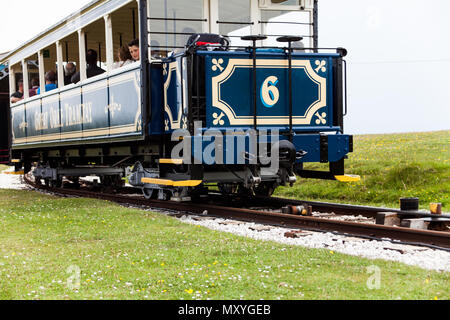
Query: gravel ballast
x: 422, y: 257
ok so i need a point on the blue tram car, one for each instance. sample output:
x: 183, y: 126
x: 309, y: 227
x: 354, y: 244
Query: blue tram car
x: 220, y: 94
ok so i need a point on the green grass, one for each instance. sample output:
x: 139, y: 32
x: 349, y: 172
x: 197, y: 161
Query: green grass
x: 124, y: 253
x: 391, y: 167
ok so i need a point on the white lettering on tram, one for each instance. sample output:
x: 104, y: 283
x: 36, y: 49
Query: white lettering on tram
x: 77, y: 114
x: 54, y: 119
x: 70, y: 116
x: 41, y: 121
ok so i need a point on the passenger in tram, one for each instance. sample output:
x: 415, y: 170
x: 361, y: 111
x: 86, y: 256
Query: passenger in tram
x: 69, y: 71
x: 92, y: 69
x: 134, y: 50
x: 50, y: 82
x: 18, y: 95
x: 125, y: 57
x: 34, y: 87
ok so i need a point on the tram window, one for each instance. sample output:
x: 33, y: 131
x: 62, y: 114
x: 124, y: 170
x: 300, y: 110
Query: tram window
x: 49, y: 77
x: 33, y: 75
x: 234, y: 20
x: 276, y: 23
x: 70, y: 57
x: 96, y: 40
x: 125, y: 26
x: 172, y: 22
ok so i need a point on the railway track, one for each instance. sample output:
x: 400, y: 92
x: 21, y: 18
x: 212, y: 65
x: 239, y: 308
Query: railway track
x: 241, y: 209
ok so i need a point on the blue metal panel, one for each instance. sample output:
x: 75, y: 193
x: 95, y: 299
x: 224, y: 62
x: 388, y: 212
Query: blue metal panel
x: 35, y: 121
x: 125, y: 106
x: 230, y: 94
x: 19, y: 124
x: 95, y: 110
x: 71, y: 114
x: 51, y: 114
x: 338, y: 147
x: 175, y: 94
x: 230, y: 148
x: 156, y: 126
x: 99, y: 108
x: 309, y: 143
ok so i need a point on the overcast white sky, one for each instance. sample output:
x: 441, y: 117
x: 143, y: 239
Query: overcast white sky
x: 399, y: 56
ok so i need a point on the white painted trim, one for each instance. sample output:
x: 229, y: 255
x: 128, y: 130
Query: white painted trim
x: 311, y: 30
x: 59, y: 58
x: 206, y: 15
x: 12, y: 80
x: 26, y: 82
x: 138, y: 35
x: 82, y: 53
x: 149, y: 37
x: 109, y: 42
x: 255, y: 17
x: 41, y: 71
x: 214, y: 16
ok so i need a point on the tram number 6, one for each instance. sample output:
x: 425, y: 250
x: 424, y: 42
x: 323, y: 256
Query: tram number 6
x: 269, y: 92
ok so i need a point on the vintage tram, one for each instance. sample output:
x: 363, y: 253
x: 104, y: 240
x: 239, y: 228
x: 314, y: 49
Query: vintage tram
x: 230, y: 93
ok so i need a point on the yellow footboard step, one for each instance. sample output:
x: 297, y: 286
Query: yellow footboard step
x: 170, y: 183
x: 348, y: 178
x: 18, y: 173
x: 171, y: 161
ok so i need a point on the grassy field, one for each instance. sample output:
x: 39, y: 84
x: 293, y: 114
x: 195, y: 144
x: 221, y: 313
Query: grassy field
x: 53, y: 248
x: 391, y: 167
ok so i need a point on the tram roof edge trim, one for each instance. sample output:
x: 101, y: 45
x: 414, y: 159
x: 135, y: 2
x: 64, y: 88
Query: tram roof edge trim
x: 51, y: 34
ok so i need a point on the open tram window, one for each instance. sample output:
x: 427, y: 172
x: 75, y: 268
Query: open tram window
x: 70, y: 58
x: 172, y: 22
x: 33, y: 75
x: 23, y: 84
x: 125, y: 28
x: 95, y: 40
x: 277, y: 23
x: 235, y: 20
x: 16, y: 93
x: 48, y: 70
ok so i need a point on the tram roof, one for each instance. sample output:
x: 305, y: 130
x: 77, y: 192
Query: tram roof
x: 82, y: 17
x: 3, y: 55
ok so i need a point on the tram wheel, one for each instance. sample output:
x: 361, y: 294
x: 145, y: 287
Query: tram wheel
x: 265, y: 189
x: 149, y: 194
x: 56, y: 183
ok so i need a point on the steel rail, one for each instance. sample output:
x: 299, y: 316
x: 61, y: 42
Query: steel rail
x: 342, y: 209
x: 433, y: 238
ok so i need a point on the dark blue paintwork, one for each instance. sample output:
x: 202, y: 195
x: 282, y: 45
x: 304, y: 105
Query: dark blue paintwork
x: 105, y: 107
x: 232, y: 72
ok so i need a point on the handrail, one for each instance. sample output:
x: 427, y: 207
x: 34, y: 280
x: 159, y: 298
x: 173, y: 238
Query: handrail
x: 345, y: 88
